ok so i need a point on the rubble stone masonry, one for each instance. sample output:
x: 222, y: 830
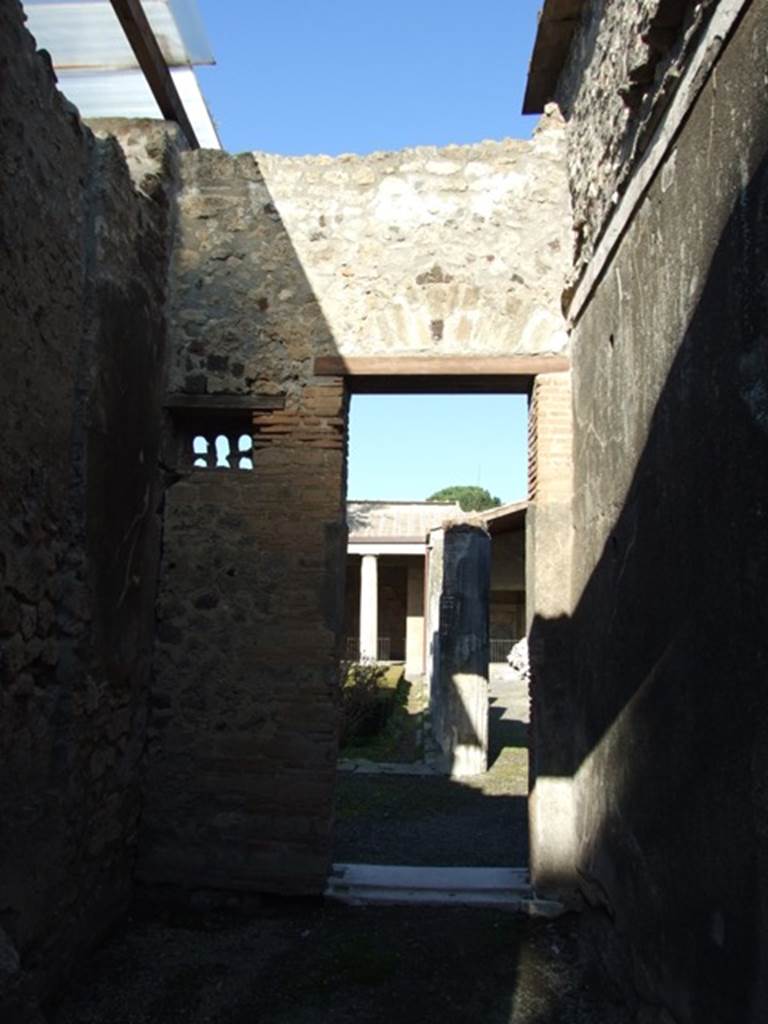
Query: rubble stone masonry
x: 83, y: 264
x: 624, y: 65
x: 458, y: 251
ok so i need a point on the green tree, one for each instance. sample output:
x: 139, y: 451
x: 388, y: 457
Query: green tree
x: 471, y: 499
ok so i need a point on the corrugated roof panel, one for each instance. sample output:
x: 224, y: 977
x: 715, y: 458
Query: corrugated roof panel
x: 126, y: 94
x: 97, y: 69
x: 86, y: 34
x: 109, y: 93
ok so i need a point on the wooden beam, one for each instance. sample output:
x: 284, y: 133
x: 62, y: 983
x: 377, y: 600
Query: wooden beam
x: 438, y: 374
x: 223, y: 403
x: 139, y: 34
x: 443, y: 366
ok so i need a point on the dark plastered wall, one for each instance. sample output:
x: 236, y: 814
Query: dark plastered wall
x: 243, y: 736
x: 82, y: 272
x: 669, y: 702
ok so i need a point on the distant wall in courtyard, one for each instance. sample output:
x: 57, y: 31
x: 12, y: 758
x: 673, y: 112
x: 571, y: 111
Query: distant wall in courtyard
x: 82, y: 272
x: 666, y: 707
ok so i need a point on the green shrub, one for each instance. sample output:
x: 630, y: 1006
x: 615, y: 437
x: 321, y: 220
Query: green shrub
x: 366, y: 700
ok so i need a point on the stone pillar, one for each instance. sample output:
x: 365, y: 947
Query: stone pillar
x: 434, y: 575
x: 414, y: 622
x: 369, y: 608
x: 459, y: 691
x: 549, y: 530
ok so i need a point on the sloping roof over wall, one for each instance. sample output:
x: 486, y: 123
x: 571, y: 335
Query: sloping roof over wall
x: 505, y: 518
x: 98, y: 70
x: 557, y: 23
x: 393, y: 521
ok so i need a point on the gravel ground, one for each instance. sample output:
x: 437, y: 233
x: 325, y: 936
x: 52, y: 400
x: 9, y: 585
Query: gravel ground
x: 335, y: 965
x: 322, y: 963
x: 481, y: 821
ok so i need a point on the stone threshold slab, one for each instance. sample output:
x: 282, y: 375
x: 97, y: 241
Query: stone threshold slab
x: 400, y: 885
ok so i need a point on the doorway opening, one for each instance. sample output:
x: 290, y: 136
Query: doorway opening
x: 417, y: 464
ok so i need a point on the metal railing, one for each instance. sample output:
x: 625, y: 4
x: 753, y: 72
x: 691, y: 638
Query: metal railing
x: 499, y: 647
x: 384, y: 648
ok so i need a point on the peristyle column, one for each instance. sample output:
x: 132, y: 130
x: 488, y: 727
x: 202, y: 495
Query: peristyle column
x: 459, y: 691
x: 369, y: 608
x: 414, y: 621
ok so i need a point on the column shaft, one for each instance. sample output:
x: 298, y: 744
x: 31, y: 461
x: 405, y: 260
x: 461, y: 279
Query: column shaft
x: 414, y: 622
x: 369, y: 608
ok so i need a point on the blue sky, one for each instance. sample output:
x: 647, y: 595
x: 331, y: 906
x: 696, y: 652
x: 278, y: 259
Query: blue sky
x: 305, y: 76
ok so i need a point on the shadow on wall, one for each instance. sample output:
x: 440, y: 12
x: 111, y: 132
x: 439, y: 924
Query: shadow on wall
x: 245, y: 319
x: 652, y: 698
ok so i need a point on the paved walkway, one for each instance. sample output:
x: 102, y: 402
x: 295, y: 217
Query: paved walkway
x: 480, y: 821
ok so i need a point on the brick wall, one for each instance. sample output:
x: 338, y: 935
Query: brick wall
x: 550, y: 439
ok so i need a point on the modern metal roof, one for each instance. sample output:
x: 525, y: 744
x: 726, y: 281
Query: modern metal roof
x: 98, y: 70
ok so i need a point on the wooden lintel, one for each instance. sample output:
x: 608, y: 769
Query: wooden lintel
x: 223, y: 403
x: 449, y: 374
x: 147, y: 51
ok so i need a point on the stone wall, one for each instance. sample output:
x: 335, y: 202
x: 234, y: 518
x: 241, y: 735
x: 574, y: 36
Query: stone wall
x: 624, y: 66
x: 278, y: 261
x: 454, y: 251
x: 82, y: 271
x: 243, y: 737
x: 668, y: 726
